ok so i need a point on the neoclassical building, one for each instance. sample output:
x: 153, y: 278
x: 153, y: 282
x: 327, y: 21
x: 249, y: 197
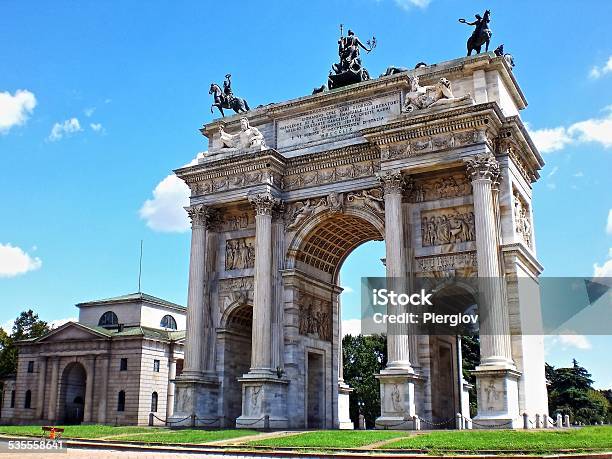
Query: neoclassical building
x: 114, y: 366
x: 434, y: 161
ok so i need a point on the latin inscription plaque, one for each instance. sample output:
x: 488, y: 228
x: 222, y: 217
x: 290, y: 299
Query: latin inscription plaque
x: 335, y: 121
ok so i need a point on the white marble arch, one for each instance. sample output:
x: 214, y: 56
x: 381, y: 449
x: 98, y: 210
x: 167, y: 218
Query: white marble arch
x: 395, y: 165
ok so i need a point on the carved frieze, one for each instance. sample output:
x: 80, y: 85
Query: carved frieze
x: 315, y: 316
x: 441, y: 263
x: 449, y: 186
x: 522, y: 220
x: 447, y: 226
x: 240, y: 253
x: 433, y: 143
x: 235, y: 180
x: 235, y: 221
x: 329, y: 175
x: 236, y: 290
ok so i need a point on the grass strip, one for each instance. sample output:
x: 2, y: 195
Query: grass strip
x: 583, y: 439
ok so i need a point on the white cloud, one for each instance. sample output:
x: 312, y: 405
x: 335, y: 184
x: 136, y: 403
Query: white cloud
x: 14, y: 261
x: 605, y: 270
x: 165, y: 211
x: 599, y: 71
x: 351, y: 327
x: 89, y: 111
x: 97, y: 127
x: 15, y: 109
x: 409, y: 4
x: 347, y: 289
x: 575, y: 341
x: 579, y: 174
x: 67, y: 128
x: 549, y: 140
x: 597, y: 130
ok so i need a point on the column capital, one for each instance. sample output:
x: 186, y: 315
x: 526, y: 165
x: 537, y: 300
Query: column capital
x: 263, y: 203
x: 483, y: 167
x: 200, y: 215
x: 392, y: 181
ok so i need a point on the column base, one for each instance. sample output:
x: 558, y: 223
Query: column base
x: 397, y: 400
x: 498, y: 402
x: 196, y: 402
x: 264, y: 402
x: 344, y: 417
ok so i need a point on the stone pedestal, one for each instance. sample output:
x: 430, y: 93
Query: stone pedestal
x: 264, y: 403
x: 196, y: 402
x: 397, y: 400
x: 344, y: 417
x: 497, y: 390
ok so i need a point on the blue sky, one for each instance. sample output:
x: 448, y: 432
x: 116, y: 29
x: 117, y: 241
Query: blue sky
x: 99, y: 101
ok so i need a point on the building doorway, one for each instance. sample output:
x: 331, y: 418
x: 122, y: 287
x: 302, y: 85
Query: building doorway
x: 72, y: 393
x: 236, y: 341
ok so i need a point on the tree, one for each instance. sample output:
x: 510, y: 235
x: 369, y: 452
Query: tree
x: 364, y: 357
x: 470, y: 358
x: 570, y: 392
x: 26, y: 326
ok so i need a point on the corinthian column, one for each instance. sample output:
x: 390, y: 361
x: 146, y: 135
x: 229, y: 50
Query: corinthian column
x: 261, y: 357
x: 483, y: 171
x: 200, y: 217
x: 397, y: 335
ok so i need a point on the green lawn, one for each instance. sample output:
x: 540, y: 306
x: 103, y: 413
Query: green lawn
x: 586, y: 438
x: 188, y: 436
x: 89, y: 431
x: 330, y: 439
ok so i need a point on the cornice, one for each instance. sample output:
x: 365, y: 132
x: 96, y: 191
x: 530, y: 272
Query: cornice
x: 410, y: 127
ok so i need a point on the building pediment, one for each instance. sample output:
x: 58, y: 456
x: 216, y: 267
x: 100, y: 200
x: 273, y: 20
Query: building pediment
x: 73, y: 331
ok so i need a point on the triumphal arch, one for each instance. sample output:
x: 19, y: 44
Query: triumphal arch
x: 436, y: 162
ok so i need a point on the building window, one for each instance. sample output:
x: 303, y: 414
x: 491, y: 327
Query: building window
x: 168, y: 322
x: 123, y: 364
x: 28, y: 399
x: 121, y: 401
x: 12, y: 399
x: 31, y: 366
x: 108, y: 319
x: 156, y: 366
x: 154, y: 402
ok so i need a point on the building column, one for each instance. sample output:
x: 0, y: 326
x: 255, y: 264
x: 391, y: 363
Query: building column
x: 398, y: 348
x: 496, y: 375
x: 90, y: 367
x: 264, y: 393
x: 344, y: 390
x: 200, y: 217
x: 261, y: 357
x: 52, y: 413
x: 170, y: 393
x: 42, y: 377
x: 196, y: 389
x: 397, y: 380
x: 102, y: 403
x: 483, y: 171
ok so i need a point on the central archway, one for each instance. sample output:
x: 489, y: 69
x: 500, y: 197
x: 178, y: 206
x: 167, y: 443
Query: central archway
x: 72, y: 393
x: 313, y: 358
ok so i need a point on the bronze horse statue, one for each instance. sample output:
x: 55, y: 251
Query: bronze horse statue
x: 482, y: 33
x: 222, y: 101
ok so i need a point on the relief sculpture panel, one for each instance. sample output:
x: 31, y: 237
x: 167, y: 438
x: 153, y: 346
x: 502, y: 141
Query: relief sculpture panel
x: 447, y: 226
x: 240, y: 253
x: 315, y: 316
x: 450, y: 186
